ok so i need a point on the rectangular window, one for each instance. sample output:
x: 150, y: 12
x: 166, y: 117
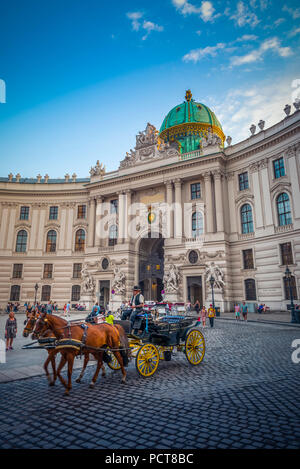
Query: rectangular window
x: 290, y: 285
x: 48, y: 270
x: 243, y: 181
x: 81, y: 211
x: 18, y: 270
x: 114, y: 206
x: 77, y: 270
x: 195, y: 191
x: 248, y: 259
x: 24, y: 213
x: 279, y: 170
x: 286, y: 253
x: 53, y: 213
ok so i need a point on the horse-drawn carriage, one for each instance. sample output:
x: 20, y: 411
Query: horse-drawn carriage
x: 149, y: 341
x: 159, y: 340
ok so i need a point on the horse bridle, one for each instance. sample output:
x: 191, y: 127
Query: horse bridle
x: 31, y: 321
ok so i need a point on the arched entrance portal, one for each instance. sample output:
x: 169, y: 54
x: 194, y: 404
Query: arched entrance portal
x: 151, y: 268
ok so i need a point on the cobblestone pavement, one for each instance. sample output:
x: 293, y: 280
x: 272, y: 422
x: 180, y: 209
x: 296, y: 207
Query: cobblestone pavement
x: 245, y: 394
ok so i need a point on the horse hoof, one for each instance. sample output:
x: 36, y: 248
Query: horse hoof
x: 66, y: 393
x: 123, y: 382
x: 78, y: 380
x: 51, y: 383
x: 92, y: 385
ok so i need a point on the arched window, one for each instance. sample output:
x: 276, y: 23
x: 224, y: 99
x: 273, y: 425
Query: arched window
x: 113, y: 235
x: 15, y: 293
x: 51, y: 241
x: 75, y: 293
x: 250, y: 290
x: 197, y: 224
x: 284, y: 210
x: 46, y: 293
x: 247, y: 219
x: 79, y: 240
x: 21, y: 241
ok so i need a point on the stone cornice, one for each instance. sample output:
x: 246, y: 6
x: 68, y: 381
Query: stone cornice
x: 263, y: 145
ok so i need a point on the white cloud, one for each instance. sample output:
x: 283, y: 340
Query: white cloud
x: 247, y: 37
x: 240, y: 108
x: 294, y: 12
x: 205, y: 11
x: 263, y: 4
x: 294, y: 32
x: 135, y: 17
x: 148, y: 26
x: 196, y: 55
x: 257, y: 54
x: 244, y: 16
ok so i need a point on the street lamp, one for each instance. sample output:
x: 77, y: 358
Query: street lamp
x: 288, y: 276
x: 36, y: 287
x: 212, y: 282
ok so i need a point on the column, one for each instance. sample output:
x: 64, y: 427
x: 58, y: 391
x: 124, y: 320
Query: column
x: 231, y: 197
x: 178, y: 209
x: 91, y: 229
x: 219, y: 200
x: 208, y: 203
x: 127, y: 217
x: 170, y: 219
x: 121, y: 210
x: 294, y: 178
x: 99, y: 234
x: 265, y: 185
x: 257, y: 195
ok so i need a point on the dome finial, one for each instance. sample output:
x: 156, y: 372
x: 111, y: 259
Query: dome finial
x: 188, y: 95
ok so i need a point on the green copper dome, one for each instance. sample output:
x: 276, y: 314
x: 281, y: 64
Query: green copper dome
x: 188, y: 123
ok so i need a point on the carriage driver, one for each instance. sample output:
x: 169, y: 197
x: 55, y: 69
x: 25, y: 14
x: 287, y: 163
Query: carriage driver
x: 136, y: 304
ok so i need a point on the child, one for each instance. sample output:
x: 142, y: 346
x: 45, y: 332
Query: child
x: 237, y: 310
x: 109, y: 318
x: 203, y: 314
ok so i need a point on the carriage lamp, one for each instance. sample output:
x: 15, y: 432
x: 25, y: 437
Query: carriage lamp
x: 288, y: 276
x: 36, y: 287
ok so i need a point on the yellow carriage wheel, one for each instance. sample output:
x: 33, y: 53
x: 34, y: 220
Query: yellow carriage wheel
x: 194, y: 347
x: 113, y: 364
x: 147, y: 360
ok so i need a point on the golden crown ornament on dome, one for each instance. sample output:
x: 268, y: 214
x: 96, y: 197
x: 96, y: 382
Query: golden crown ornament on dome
x: 188, y: 95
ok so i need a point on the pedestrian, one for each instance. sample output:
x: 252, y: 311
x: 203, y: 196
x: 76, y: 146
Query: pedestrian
x: 244, y: 311
x: 10, y: 330
x: 67, y: 310
x: 203, y: 314
x: 197, y: 306
x: 49, y: 308
x: 211, y: 315
x: 237, y: 311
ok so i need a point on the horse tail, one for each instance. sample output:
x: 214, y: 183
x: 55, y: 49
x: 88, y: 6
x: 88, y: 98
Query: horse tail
x: 125, y: 349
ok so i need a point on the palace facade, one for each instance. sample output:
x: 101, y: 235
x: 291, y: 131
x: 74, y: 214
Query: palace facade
x: 182, y: 207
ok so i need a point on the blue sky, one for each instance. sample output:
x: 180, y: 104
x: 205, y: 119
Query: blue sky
x: 84, y: 76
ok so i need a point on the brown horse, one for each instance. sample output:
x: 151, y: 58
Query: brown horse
x: 28, y: 329
x: 97, y: 337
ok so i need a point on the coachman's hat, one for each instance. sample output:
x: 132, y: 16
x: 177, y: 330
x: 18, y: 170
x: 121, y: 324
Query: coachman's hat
x: 136, y: 287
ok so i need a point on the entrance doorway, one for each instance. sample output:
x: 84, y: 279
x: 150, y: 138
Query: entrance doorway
x: 151, y: 268
x: 194, y: 289
x: 104, y: 288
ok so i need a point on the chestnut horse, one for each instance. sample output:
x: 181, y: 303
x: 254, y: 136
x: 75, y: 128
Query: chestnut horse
x: 28, y: 329
x: 97, y: 337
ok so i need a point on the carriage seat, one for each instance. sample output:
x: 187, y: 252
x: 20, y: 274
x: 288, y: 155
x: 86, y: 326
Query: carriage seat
x: 159, y: 339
